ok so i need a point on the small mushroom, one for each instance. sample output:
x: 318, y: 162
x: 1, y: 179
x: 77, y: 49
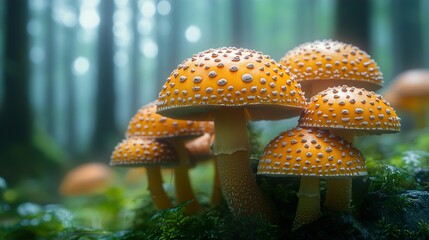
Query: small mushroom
x: 310, y: 154
x: 146, y: 123
x: 232, y: 86
x: 348, y: 112
x: 409, y: 92
x: 151, y: 154
x: 86, y: 179
x: 328, y: 63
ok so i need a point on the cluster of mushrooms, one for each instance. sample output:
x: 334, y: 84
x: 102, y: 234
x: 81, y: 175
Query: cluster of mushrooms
x: 232, y: 86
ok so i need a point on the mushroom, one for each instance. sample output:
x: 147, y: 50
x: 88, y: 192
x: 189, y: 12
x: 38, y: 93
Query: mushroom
x: 310, y: 154
x: 322, y: 64
x: 409, y: 91
x: 149, y: 153
x: 232, y: 86
x: 348, y: 112
x: 146, y: 123
x: 86, y: 179
x: 200, y: 150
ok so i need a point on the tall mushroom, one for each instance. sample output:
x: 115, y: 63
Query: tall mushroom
x: 409, y: 92
x: 310, y: 154
x: 149, y: 153
x: 146, y: 123
x: 232, y: 86
x: 328, y: 63
x: 348, y: 112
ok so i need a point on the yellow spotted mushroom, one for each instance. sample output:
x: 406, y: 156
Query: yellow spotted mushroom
x: 232, y: 86
x: 348, y: 112
x: 321, y: 64
x: 151, y: 154
x: 310, y: 154
x: 146, y: 123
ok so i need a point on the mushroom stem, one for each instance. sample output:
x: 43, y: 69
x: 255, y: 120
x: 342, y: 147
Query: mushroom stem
x: 314, y: 89
x: 216, y: 191
x: 239, y: 187
x: 308, y: 209
x: 338, y: 194
x: 339, y: 190
x: 182, y: 182
x: 346, y: 134
x: 159, y: 197
x: 421, y: 119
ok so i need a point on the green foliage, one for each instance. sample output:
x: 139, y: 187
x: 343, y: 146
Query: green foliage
x: 389, y: 178
x: 33, y: 221
x: 213, y: 224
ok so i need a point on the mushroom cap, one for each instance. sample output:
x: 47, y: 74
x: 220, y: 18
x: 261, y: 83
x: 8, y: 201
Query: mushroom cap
x: 86, y: 179
x: 311, y: 152
x: 332, y: 60
x: 148, y: 124
x: 230, y: 78
x: 409, y: 88
x: 200, y: 148
x: 143, y: 152
x: 351, y: 108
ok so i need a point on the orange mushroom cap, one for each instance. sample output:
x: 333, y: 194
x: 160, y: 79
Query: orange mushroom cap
x: 230, y: 77
x: 409, y: 89
x: 350, y: 108
x: 333, y: 60
x: 200, y: 148
x: 311, y: 152
x: 147, y: 123
x: 143, y: 152
x: 86, y: 179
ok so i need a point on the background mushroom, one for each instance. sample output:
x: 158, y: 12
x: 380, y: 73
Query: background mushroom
x: 232, y: 86
x: 347, y: 112
x: 146, y: 123
x: 200, y: 149
x: 409, y: 92
x: 86, y: 179
x: 310, y: 154
x: 151, y: 154
x: 328, y: 63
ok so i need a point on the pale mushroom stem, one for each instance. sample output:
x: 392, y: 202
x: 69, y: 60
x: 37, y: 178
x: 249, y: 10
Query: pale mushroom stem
x: 159, y: 197
x: 216, y: 191
x: 231, y: 147
x: 339, y: 190
x: 338, y: 194
x: 308, y: 209
x: 182, y: 182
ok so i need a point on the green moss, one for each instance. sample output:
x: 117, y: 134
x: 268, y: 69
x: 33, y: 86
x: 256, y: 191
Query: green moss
x: 388, y: 178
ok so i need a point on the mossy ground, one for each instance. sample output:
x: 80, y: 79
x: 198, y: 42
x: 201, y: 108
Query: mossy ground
x: 398, y: 181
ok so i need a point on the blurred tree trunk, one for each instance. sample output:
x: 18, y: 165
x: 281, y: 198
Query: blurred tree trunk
x: 135, y: 59
x: 175, y: 31
x: 22, y: 158
x: 237, y: 9
x: 353, y: 23
x: 50, y: 70
x: 407, y: 35
x: 105, y: 133
x: 163, y: 41
x: 16, y: 117
x: 70, y: 35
